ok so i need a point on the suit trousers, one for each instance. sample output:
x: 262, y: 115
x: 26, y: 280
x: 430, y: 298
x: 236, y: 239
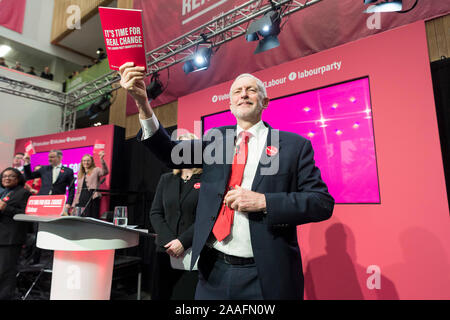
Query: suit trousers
x: 219, y: 280
x: 9, y: 257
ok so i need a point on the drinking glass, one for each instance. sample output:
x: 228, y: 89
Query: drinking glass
x: 77, y: 211
x: 120, y: 216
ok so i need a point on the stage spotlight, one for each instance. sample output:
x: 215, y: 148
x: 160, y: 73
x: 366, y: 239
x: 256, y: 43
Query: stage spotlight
x: 100, y: 54
x: 200, y: 60
x: 387, y: 6
x: 98, y: 106
x: 268, y: 27
x: 155, y: 88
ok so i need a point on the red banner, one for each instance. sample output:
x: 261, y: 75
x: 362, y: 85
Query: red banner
x: 324, y: 25
x: 12, y: 13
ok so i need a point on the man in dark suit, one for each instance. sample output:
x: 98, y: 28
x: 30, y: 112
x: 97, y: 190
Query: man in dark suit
x: 266, y: 178
x: 18, y: 161
x: 55, y: 177
x: 46, y: 74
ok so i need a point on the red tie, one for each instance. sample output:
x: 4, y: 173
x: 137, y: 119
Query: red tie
x: 224, y: 221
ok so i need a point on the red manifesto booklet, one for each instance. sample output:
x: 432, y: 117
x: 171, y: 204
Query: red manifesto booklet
x: 124, y: 36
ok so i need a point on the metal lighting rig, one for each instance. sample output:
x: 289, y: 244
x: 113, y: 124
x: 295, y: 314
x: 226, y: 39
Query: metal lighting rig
x: 219, y: 30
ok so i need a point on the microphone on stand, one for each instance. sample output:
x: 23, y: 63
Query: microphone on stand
x: 68, y: 211
x: 91, y: 197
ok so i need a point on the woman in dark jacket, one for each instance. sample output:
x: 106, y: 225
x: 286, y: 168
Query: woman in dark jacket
x: 172, y: 217
x: 13, y: 200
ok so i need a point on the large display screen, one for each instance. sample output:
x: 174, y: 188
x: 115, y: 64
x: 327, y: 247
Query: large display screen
x: 338, y: 121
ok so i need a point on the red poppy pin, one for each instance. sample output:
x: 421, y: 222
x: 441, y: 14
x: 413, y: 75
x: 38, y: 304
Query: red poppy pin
x: 271, y: 151
x: 5, y: 199
x: 62, y: 171
x: 197, y: 185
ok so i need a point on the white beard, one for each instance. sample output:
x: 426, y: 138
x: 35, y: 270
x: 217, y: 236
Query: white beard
x: 247, y: 115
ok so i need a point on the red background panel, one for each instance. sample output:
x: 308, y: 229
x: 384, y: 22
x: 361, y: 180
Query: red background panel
x: 407, y: 236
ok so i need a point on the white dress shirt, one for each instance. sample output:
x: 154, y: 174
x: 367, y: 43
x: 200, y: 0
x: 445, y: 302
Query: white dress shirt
x: 238, y: 243
x: 55, y: 172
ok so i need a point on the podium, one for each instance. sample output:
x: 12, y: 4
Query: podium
x: 83, y: 258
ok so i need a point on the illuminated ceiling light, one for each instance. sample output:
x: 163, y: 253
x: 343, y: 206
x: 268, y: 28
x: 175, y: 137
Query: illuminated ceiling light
x: 268, y: 27
x: 356, y: 125
x: 352, y: 99
x: 367, y: 110
x: 339, y: 132
x: 322, y: 121
x: 4, y: 49
x: 311, y: 134
x: 307, y: 109
x: 387, y: 6
x: 200, y: 60
x: 334, y: 106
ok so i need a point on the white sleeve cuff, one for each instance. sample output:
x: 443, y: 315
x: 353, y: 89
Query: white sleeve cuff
x: 149, y: 126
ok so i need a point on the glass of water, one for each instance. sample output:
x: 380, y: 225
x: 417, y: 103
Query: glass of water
x: 77, y: 211
x: 120, y: 216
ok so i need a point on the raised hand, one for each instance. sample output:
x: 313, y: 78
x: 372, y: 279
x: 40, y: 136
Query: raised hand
x: 26, y: 159
x: 132, y: 79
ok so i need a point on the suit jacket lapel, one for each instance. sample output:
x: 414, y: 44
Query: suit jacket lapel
x: 229, y: 144
x: 265, y: 161
x: 175, y: 186
x: 194, y: 179
x: 61, y: 172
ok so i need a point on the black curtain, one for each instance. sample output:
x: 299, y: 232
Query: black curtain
x: 137, y: 173
x: 440, y: 71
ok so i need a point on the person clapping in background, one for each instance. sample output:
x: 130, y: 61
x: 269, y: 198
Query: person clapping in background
x: 13, y: 200
x: 89, y: 178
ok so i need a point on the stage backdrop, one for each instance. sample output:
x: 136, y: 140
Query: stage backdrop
x: 400, y: 247
x: 74, y: 144
x: 12, y: 13
x: 324, y: 25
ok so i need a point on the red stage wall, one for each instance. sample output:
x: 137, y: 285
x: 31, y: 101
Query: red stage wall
x: 322, y: 26
x: 76, y: 139
x: 401, y: 245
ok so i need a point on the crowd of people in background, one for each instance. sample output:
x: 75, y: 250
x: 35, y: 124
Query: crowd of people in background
x: 46, y: 74
x: 19, y: 182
